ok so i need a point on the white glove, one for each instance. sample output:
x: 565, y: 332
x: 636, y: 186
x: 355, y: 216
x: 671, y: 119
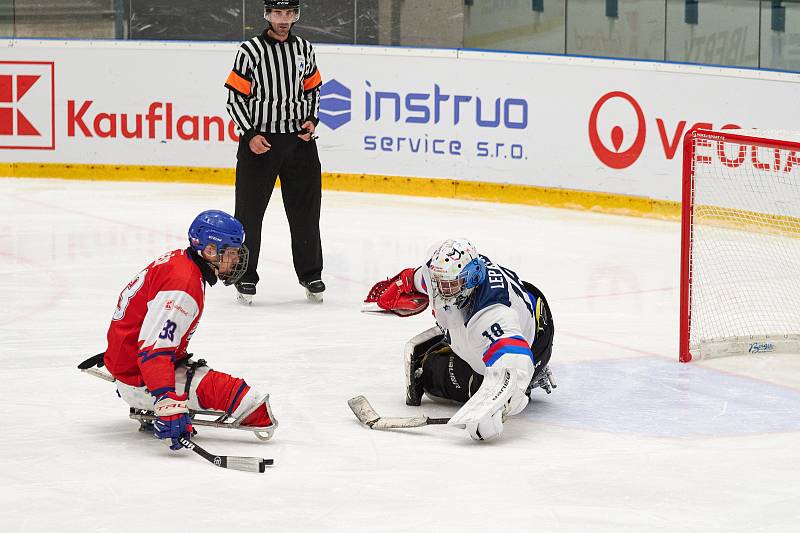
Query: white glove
x: 491, y: 425
x: 488, y: 427
x: 497, y: 398
x: 482, y: 415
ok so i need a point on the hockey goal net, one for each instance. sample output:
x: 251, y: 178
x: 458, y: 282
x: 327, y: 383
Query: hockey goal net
x: 740, y: 243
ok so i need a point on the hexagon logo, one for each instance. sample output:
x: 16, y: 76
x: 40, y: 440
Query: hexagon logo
x: 335, y: 104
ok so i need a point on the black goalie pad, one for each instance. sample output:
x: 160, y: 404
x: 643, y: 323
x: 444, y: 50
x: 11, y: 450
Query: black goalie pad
x: 416, y: 350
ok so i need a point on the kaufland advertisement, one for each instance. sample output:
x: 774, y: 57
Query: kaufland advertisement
x: 574, y: 123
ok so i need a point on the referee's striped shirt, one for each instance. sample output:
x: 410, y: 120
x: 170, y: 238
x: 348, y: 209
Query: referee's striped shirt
x: 274, y: 86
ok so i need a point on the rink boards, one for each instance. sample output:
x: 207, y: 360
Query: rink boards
x: 521, y: 128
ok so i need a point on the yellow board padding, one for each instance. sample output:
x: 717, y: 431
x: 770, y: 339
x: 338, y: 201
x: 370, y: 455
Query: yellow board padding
x: 218, y: 176
x: 369, y: 183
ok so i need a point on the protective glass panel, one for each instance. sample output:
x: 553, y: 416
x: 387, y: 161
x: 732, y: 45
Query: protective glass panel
x: 192, y: 20
x: 321, y: 21
x: 78, y: 19
x: 6, y: 18
x: 716, y: 32
x: 437, y: 24
x: 518, y: 25
x: 616, y: 28
x: 780, y: 35
x: 367, y: 25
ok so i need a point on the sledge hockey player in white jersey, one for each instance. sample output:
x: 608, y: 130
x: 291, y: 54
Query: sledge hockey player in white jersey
x: 492, y: 342
x: 156, y: 315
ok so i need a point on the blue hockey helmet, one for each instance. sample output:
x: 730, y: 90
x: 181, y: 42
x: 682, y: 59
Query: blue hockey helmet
x: 220, y: 229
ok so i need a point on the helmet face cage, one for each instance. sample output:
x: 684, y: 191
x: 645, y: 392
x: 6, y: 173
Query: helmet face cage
x: 449, y: 288
x: 239, y: 256
x: 226, y: 235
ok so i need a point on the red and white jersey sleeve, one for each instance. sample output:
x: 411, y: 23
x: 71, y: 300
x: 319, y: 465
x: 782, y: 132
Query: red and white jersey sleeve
x: 156, y: 314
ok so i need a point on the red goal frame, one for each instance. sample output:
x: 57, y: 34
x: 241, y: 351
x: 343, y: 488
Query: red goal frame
x: 690, y: 141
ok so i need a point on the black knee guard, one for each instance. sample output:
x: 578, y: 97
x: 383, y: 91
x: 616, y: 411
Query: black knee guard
x: 415, y: 351
x: 447, y: 376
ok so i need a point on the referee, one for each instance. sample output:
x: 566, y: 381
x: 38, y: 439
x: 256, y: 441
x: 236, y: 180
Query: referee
x: 273, y: 98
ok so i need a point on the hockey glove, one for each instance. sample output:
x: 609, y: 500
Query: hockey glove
x: 491, y: 424
x: 489, y: 427
x: 397, y: 295
x: 482, y: 416
x: 172, y: 420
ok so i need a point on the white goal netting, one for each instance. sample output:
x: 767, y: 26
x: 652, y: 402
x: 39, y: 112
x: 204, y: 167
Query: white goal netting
x: 743, y: 248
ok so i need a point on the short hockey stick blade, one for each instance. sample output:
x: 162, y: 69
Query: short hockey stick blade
x: 367, y: 416
x: 93, y: 365
x: 99, y: 374
x: 234, y: 462
x: 373, y: 307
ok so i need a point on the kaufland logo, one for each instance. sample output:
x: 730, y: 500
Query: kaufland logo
x: 335, y: 105
x: 27, y: 110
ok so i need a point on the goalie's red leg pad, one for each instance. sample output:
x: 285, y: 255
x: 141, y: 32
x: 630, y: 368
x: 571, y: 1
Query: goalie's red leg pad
x: 223, y: 392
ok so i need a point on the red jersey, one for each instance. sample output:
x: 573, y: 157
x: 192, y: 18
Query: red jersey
x: 155, y: 317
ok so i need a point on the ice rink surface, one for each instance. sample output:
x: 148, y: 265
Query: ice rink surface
x: 630, y: 441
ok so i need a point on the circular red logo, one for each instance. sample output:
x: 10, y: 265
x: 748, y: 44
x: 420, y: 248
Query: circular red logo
x: 615, y: 158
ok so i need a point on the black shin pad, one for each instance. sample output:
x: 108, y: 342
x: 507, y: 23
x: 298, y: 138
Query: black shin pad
x: 445, y: 375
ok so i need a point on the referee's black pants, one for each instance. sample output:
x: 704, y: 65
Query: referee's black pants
x: 297, y: 163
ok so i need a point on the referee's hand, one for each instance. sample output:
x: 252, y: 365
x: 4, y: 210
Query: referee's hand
x: 259, y: 145
x: 309, y: 129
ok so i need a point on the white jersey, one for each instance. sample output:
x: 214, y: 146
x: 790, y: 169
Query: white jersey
x: 495, y: 328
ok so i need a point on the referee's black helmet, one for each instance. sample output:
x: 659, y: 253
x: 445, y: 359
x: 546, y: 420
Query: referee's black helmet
x: 269, y: 5
x: 282, y: 4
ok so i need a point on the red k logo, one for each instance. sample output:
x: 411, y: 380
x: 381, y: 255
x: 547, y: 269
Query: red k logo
x: 27, y: 114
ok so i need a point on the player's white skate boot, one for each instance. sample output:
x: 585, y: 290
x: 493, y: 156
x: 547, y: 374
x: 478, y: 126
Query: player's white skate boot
x: 245, y: 292
x: 543, y: 379
x: 314, y: 290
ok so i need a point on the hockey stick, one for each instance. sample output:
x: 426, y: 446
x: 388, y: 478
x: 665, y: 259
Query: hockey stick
x: 491, y: 397
x: 234, y: 462
x: 367, y: 416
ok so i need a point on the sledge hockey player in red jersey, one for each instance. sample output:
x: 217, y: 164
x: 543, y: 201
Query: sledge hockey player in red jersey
x: 156, y: 315
x: 492, y: 342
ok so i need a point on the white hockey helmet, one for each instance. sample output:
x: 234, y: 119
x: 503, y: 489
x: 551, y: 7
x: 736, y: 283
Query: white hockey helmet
x: 456, y: 269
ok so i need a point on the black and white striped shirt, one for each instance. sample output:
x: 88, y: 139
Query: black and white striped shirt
x: 274, y: 86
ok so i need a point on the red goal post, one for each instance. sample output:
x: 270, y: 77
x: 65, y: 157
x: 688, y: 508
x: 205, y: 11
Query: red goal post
x: 740, y: 243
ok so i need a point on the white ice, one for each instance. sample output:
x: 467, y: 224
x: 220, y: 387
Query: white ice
x: 630, y: 441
